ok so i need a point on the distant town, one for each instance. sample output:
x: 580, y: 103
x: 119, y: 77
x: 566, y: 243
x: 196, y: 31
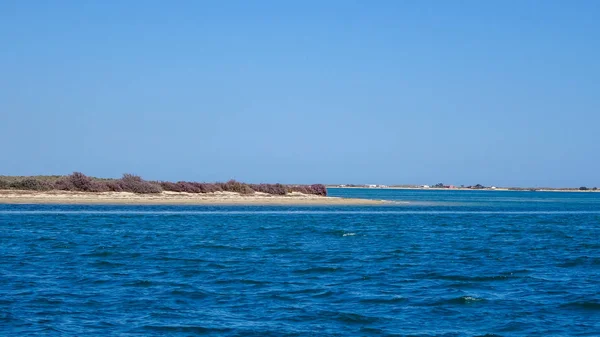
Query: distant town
x: 442, y: 186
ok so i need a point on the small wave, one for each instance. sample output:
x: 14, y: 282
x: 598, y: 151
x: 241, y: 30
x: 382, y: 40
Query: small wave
x: 189, y: 294
x: 349, y: 234
x: 254, y: 282
x: 323, y: 294
x: 580, y: 261
x: 281, y: 250
x: 460, y: 301
x: 107, y: 264
x: 179, y: 259
x: 383, y: 300
x: 216, y: 266
x: 306, y: 291
x: 225, y: 247
x: 349, y: 317
x: 370, y: 330
x: 45, y: 300
x: 98, y: 254
x: 317, y: 270
x: 184, y: 329
x: 469, y: 278
x: 584, y: 305
x: 139, y: 283
x: 469, y: 299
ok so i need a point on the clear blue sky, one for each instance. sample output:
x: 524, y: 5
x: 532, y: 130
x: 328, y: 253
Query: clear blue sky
x: 384, y: 92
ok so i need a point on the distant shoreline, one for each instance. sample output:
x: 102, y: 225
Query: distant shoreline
x: 173, y: 198
x: 500, y: 189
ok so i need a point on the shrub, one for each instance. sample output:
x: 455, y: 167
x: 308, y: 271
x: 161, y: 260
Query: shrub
x: 31, y: 184
x: 193, y: 187
x: 316, y: 189
x: 80, y: 182
x: 64, y: 184
x: 236, y: 186
x: 135, y: 184
x: 181, y: 186
x: 83, y: 183
x: 189, y: 187
x: 276, y: 189
x: 319, y: 189
x: 298, y: 188
x: 113, y: 186
x: 131, y: 183
x: 207, y: 187
x: 4, y: 184
x: 99, y: 186
x: 171, y: 187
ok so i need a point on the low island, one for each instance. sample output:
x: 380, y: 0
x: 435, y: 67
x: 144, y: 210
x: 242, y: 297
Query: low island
x: 78, y: 188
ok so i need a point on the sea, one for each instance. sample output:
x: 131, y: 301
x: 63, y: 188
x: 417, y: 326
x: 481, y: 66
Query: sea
x: 434, y: 263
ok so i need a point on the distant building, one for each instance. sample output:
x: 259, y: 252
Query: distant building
x: 425, y: 186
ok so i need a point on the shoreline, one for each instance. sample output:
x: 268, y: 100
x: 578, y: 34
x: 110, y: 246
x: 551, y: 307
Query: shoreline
x: 499, y: 189
x: 174, y: 198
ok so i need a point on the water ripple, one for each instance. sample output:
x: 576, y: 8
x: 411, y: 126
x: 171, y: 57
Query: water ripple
x: 514, y: 268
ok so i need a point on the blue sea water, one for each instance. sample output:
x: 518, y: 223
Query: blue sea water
x: 448, y: 263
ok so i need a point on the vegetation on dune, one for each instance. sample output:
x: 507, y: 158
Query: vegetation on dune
x: 79, y: 182
x: 317, y: 189
x: 31, y: 184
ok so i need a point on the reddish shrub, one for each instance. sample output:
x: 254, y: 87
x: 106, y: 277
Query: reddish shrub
x: 276, y: 189
x: 171, y: 187
x: 317, y: 189
x: 135, y: 184
x: 207, y: 187
x: 99, y: 186
x: 236, y: 186
x: 181, y: 186
x: 64, y: 184
x: 299, y: 188
x: 131, y: 183
x: 81, y: 182
x: 189, y: 187
x: 113, y: 186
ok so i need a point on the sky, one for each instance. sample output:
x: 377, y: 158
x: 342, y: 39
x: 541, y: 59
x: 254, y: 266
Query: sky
x: 501, y: 93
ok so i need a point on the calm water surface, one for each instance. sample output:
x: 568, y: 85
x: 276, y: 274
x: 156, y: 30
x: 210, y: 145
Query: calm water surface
x: 449, y: 263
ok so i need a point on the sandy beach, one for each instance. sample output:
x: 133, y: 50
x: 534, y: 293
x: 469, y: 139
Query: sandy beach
x: 173, y: 198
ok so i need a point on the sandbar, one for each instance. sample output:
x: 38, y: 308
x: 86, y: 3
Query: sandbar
x: 173, y: 198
